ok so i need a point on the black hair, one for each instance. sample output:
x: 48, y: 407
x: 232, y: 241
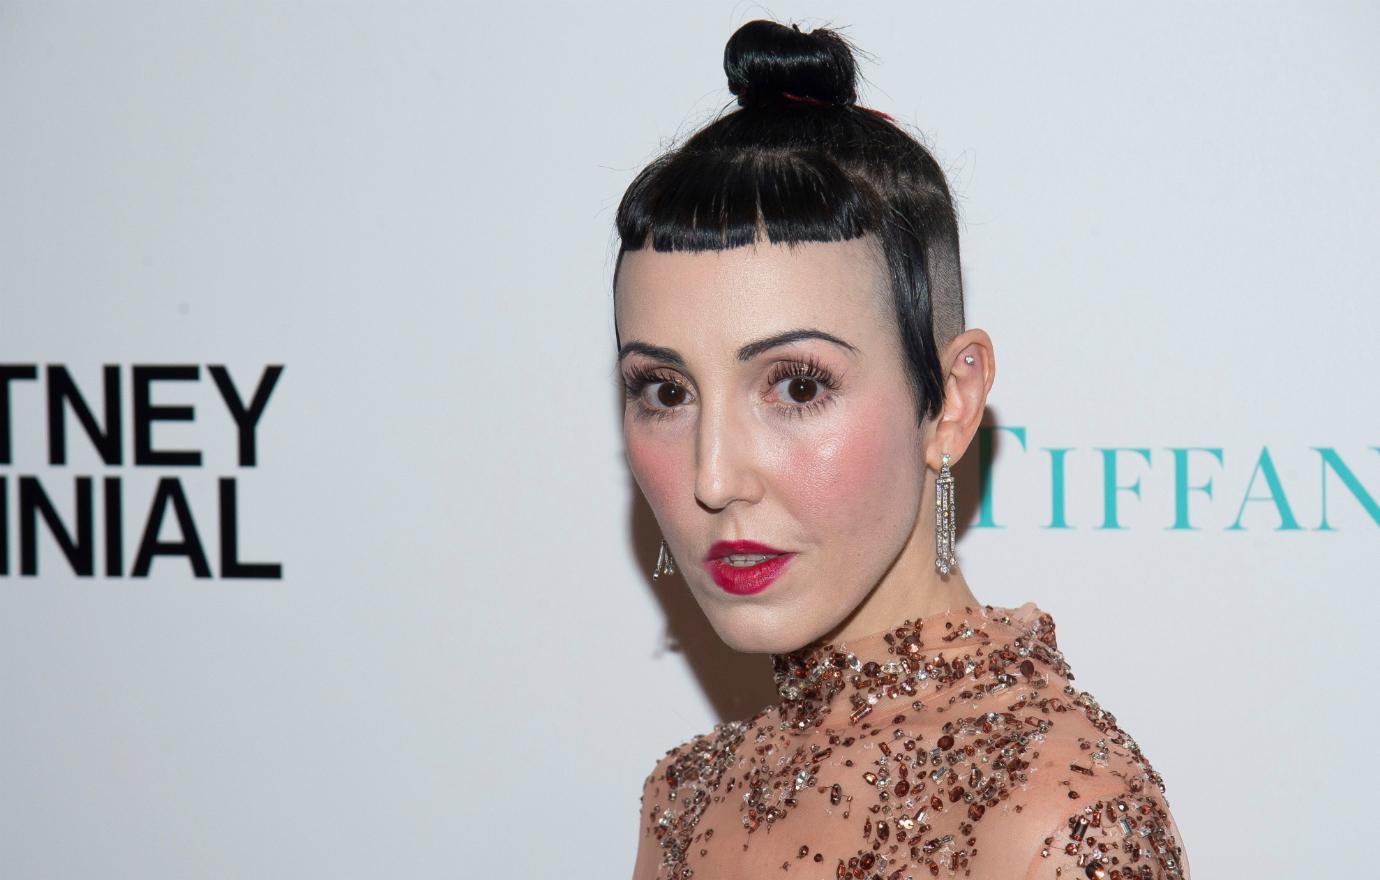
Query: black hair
x: 800, y: 161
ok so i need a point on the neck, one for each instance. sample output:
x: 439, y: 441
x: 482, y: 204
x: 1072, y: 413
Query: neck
x: 912, y: 587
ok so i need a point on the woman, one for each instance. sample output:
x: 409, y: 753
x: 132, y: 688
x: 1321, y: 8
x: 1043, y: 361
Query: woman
x: 799, y: 383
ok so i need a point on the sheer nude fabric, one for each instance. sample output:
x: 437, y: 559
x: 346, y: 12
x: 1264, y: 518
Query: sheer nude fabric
x: 949, y: 746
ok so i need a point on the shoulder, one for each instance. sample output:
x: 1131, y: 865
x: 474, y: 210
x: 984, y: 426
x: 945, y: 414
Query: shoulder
x: 1118, y: 830
x: 653, y: 812
x: 1084, y: 800
x: 673, y: 792
x: 1091, y: 806
x: 701, y: 757
x: 655, y: 785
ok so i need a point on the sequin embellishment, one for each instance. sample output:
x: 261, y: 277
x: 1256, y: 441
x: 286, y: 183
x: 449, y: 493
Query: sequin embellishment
x: 947, y: 746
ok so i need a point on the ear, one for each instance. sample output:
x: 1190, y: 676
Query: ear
x: 965, y: 395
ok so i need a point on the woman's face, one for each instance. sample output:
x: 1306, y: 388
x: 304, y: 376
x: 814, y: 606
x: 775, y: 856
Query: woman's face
x: 769, y: 403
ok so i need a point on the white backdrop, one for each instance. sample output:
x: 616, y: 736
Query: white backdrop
x: 1168, y: 218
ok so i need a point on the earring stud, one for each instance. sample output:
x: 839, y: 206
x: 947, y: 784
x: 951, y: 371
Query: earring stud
x: 665, y: 562
x: 945, y: 527
x: 967, y: 359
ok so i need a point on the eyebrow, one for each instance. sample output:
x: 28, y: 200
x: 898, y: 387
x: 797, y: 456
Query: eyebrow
x: 746, y: 353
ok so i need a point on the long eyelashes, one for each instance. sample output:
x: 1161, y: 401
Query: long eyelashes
x: 808, y: 368
x: 638, y: 378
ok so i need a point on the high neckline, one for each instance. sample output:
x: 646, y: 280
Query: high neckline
x: 915, y: 659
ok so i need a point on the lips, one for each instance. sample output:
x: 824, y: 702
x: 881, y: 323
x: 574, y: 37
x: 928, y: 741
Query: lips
x: 720, y: 549
x: 745, y: 579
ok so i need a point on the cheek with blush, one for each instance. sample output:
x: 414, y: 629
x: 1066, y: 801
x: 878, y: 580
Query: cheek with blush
x: 859, y: 480
x: 661, y: 471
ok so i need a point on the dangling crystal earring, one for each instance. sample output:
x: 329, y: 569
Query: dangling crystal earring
x: 944, y: 526
x: 665, y: 562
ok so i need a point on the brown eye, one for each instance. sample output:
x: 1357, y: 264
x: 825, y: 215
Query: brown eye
x: 670, y: 394
x: 801, y: 389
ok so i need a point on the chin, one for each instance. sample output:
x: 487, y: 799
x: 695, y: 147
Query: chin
x: 757, y: 643
x: 755, y: 630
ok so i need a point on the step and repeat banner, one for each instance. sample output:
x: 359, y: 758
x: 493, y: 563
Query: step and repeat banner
x: 319, y: 554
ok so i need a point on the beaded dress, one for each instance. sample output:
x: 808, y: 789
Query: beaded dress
x: 952, y: 745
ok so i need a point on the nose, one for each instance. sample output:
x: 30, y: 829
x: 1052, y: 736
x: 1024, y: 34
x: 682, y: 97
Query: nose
x: 726, y: 469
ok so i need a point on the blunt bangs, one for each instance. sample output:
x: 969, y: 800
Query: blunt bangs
x: 693, y: 201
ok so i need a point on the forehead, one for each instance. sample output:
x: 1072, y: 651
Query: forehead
x: 741, y: 292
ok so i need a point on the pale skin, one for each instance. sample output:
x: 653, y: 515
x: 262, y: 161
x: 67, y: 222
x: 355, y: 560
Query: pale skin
x: 762, y: 449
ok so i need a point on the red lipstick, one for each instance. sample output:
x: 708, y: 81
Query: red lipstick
x: 745, y: 580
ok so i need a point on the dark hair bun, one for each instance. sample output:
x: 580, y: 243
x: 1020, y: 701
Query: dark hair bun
x: 764, y: 59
